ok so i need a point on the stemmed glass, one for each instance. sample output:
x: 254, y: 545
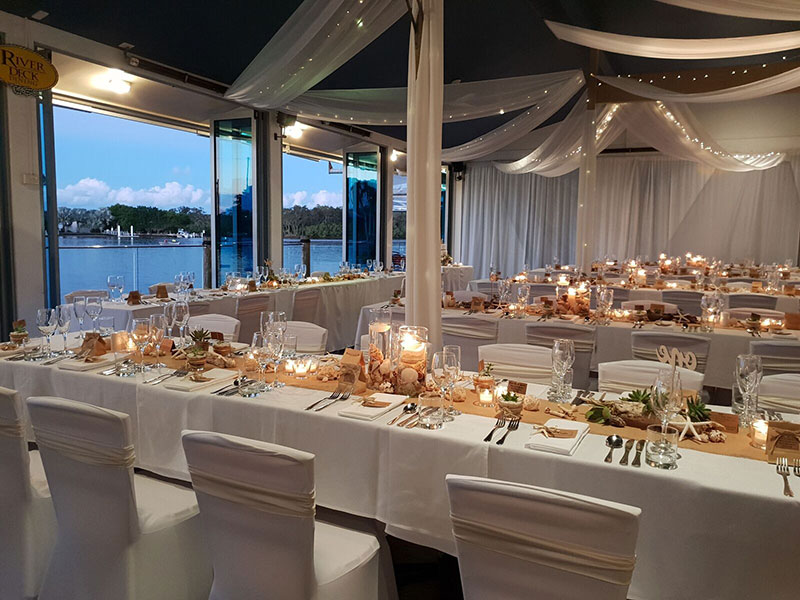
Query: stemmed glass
x: 94, y: 306
x: 370, y: 263
x: 453, y: 366
x: 605, y: 298
x: 64, y: 321
x: 182, y: 318
x: 140, y: 334
x: 273, y: 320
x: 442, y: 373
x: 46, y: 322
x: 115, y: 283
x: 261, y: 353
x: 748, y: 377
x: 158, y: 327
x: 274, y: 342
x: 563, y: 356
x: 666, y: 398
x: 79, y: 308
x: 169, y: 316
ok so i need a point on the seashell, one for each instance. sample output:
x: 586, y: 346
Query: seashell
x: 386, y: 367
x: 408, y: 375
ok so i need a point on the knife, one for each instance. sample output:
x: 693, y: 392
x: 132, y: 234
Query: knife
x: 628, y: 446
x: 637, y: 460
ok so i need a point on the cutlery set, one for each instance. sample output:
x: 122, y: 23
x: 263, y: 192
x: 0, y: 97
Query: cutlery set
x: 343, y: 392
x: 511, y: 424
x: 785, y: 470
x: 614, y: 442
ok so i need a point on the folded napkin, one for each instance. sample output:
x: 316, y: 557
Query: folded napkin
x: 567, y: 446
x: 10, y: 351
x: 185, y: 384
x: 370, y: 413
x: 81, y: 364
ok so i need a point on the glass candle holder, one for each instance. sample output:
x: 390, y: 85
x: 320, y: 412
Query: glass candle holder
x: 380, y: 345
x: 758, y: 432
x: 412, y: 360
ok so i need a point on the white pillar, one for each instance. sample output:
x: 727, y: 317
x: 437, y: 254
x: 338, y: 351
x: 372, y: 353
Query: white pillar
x: 425, y: 91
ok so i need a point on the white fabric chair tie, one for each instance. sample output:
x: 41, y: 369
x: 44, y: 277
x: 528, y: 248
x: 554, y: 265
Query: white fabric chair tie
x: 286, y: 504
x: 11, y: 428
x: 616, y: 387
x: 85, y: 451
x: 469, y: 331
x: 562, y: 556
x: 580, y: 345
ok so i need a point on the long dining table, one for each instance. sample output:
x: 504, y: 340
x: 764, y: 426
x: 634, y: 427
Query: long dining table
x: 717, y: 527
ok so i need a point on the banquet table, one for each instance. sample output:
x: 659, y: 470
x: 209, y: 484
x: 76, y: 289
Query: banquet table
x: 456, y: 277
x: 613, y: 341
x: 715, y: 528
x: 340, y: 302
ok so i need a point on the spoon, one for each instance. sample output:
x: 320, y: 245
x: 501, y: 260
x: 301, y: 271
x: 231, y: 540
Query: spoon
x: 408, y: 408
x: 613, y: 442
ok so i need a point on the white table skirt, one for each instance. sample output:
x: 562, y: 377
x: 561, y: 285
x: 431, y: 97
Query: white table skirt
x: 340, y: 303
x: 614, y: 342
x: 455, y: 278
x: 715, y: 528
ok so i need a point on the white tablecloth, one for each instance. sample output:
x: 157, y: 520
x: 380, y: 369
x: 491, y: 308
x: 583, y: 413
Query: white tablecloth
x: 715, y: 528
x: 457, y: 277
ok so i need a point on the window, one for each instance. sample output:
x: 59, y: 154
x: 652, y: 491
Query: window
x: 361, y: 218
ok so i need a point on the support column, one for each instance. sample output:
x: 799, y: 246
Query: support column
x: 269, y: 189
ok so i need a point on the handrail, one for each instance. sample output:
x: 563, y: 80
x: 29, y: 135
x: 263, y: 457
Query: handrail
x: 62, y: 247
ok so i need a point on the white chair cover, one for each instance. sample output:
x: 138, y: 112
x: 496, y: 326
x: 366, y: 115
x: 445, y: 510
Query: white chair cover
x: 308, y: 306
x: 484, y: 286
x: 518, y: 541
x: 765, y: 313
x: 740, y: 285
x: 120, y: 536
x: 583, y: 336
x: 248, y: 311
x: 645, y: 345
x: 777, y: 356
x: 469, y: 333
x: 257, y: 509
x: 669, y: 309
x: 519, y: 362
x: 537, y: 290
x: 780, y: 392
x: 170, y: 286
x: 68, y: 298
x: 27, y: 520
x: 467, y: 296
x: 620, y: 295
x: 227, y: 326
x: 622, y: 376
x: 688, y: 301
x: 311, y: 338
x: 761, y: 301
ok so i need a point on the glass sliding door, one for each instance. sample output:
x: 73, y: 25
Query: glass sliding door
x: 361, y: 207
x: 47, y: 179
x: 233, y: 207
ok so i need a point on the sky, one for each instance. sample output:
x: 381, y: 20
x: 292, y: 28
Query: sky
x: 103, y: 160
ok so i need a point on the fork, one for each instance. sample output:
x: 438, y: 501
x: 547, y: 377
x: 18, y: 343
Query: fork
x: 513, y: 425
x: 333, y: 396
x: 501, y: 422
x: 796, y: 465
x: 782, y: 466
x: 163, y: 378
x: 343, y: 397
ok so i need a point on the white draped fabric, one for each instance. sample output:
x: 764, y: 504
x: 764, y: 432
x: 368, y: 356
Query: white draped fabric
x: 776, y: 10
x: 319, y: 37
x: 675, y: 48
x: 425, y: 75
x: 512, y: 220
x: 755, y: 89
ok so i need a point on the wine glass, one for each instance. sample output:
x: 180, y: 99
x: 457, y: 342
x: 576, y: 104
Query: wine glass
x: 261, y: 353
x: 748, y: 377
x: 79, y: 308
x: 441, y: 375
x: 274, y: 343
x: 273, y: 320
x: 403, y: 264
x: 370, y: 263
x: 182, y: 318
x: 111, y: 282
x: 64, y: 313
x: 140, y: 334
x: 454, y: 367
x: 158, y: 328
x: 563, y: 356
x: 667, y: 399
x: 190, y: 279
x: 169, y: 316
x: 46, y: 322
x: 94, y: 306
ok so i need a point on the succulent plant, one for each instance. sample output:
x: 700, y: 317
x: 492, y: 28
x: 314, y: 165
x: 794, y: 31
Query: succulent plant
x: 20, y: 329
x: 643, y: 396
x: 697, y: 410
x: 486, y: 371
x: 510, y: 397
x: 200, y: 336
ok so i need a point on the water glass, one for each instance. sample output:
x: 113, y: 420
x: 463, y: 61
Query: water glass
x: 661, y: 450
x: 64, y: 313
x: 289, y: 346
x: 79, y: 308
x: 261, y: 353
x: 158, y: 328
x: 181, y: 309
x: 94, y: 307
x: 667, y: 399
x: 105, y: 326
x: 46, y: 322
x: 748, y: 375
x: 140, y: 334
x: 274, y: 341
x: 430, y: 410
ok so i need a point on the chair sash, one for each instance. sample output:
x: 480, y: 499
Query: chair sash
x: 580, y: 345
x: 11, y: 428
x: 773, y: 365
x: 85, y: 451
x: 522, y: 373
x: 561, y: 556
x: 472, y: 330
x: 286, y: 504
x: 789, y: 405
x: 615, y: 387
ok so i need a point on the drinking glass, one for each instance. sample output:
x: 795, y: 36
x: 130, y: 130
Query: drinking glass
x: 261, y: 353
x: 748, y: 375
x: 190, y: 279
x: 431, y: 410
x: 140, y: 334
x: 111, y: 282
x: 273, y: 320
x: 454, y: 367
x: 378, y: 266
x: 403, y: 264
x: 64, y: 313
x: 158, y: 328
x: 181, y: 319
x: 289, y: 346
x: 79, y: 308
x: 46, y: 322
x: 169, y: 316
x: 662, y: 447
x: 303, y: 271
x: 563, y: 356
x: 94, y: 306
x: 369, y: 264
x: 666, y: 399
x: 105, y: 326
x: 274, y: 341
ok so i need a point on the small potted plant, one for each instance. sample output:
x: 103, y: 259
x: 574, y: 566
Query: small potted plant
x: 200, y: 338
x: 511, y: 403
x: 197, y: 353
x: 19, y: 333
x: 484, y: 380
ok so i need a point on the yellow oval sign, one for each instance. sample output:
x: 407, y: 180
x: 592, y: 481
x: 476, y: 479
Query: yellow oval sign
x: 25, y: 68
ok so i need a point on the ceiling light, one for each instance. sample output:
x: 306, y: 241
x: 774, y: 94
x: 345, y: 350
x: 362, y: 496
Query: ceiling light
x: 295, y: 131
x: 39, y: 15
x: 115, y: 81
x: 393, y: 156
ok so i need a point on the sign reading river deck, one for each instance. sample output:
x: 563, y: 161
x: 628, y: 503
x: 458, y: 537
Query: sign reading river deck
x: 21, y: 67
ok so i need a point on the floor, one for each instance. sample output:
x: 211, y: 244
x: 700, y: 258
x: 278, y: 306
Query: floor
x: 423, y: 573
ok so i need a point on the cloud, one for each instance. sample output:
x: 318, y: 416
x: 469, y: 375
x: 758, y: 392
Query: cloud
x: 187, y: 170
x: 94, y: 193
x: 320, y: 198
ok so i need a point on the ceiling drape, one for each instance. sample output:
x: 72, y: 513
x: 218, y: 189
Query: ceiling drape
x: 776, y: 10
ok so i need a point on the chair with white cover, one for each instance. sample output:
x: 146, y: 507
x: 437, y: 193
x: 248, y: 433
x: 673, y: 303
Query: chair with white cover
x: 257, y: 509
x: 740, y: 284
x: 620, y: 295
x: 519, y: 362
x: 27, y: 520
x: 248, y: 311
x: 467, y: 296
x: 645, y: 345
x: 224, y: 324
x: 308, y: 306
x: 519, y: 541
x: 469, y: 333
x: 120, y: 535
x: 484, y: 286
x: 780, y: 392
x: 582, y: 336
x: 758, y: 301
x: 620, y: 376
x: 764, y: 313
x: 311, y: 338
x: 199, y: 307
x: 169, y: 286
x: 669, y: 309
x: 688, y: 301
x: 68, y: 298
x: 537, y: 290
x: 777, y: 356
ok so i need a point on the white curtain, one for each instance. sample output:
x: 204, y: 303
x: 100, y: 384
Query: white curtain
x: 319, y: 37
x: 511, y: 220
x: 777, y: 10
x: 676, y: 48
x: 425, y: 83
x: 652, y: 204
x: 755, y: 89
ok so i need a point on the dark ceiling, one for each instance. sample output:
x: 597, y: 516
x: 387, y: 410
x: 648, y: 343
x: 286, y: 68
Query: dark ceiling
x: 484, y: 39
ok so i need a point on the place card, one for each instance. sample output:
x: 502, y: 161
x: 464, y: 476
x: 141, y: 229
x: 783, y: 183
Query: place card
x: 729, y: 421
x: 518, y: 387
x: 353, y: 362
x: 783, y: 440
x: 251, y: 286
x: 217, y: 335
x: 134, y: 297
x: 791, y: 320
x: 161, y: 291
x: 93, y: 345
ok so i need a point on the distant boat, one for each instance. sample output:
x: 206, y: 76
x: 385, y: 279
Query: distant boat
x: 169, y: 242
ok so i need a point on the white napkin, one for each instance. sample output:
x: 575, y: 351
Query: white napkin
x: 16, y: 350
x: 72, y: 364
x: 566, y: 446
x: 365, y: 413
x: 187, y: 385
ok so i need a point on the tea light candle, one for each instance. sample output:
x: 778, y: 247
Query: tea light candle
x: 758, y: 432
x: 562, y: 280
x: 662, y: 256
x: 288, y: 366
x: 572, y: 292
x: 302, y: 367
x: 485, y: 396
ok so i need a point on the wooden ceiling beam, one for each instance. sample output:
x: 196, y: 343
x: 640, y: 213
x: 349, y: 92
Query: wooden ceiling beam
x: 693, y: 81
